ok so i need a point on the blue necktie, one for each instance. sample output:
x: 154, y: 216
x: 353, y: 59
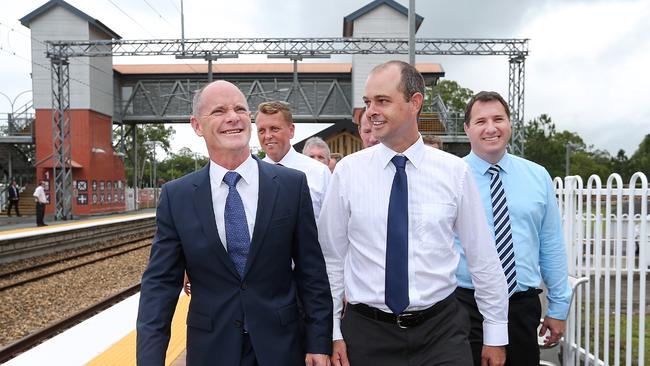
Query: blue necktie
x: 502, y: 230
x: 397, y: 281
x: 237, y: 236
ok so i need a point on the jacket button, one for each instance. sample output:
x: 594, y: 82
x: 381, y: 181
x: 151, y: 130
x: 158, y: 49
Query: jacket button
x: 243, y: 286
x: 238, y: 323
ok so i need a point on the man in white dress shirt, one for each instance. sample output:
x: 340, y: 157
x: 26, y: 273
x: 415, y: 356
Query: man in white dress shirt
x: 394, y: 259
x: 275, y: 130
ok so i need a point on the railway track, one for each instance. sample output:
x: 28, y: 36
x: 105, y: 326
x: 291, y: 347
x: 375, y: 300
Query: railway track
x: 18, y: 272
x: 38, y: 337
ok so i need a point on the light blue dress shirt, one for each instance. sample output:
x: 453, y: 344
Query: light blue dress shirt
x: 536, y: 228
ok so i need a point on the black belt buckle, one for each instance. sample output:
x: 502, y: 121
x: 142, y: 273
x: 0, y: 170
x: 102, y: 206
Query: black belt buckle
x: 403, y: 319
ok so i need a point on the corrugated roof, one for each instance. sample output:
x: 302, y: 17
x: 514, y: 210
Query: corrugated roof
x: 29, y: 18
x: 262, y: 68
x: 348, y: 21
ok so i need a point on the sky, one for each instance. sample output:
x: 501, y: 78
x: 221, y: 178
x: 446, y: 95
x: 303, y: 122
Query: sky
x: 588, y: 65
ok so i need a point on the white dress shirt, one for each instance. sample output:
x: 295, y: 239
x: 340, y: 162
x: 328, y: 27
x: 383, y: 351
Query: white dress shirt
x: 318, y: 175
x: 443, y: 201
x: 248, y: 188
x: 39, y: 194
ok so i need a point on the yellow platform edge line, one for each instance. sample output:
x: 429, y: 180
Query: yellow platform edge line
x: 122, y: 353
x: 53, y: 225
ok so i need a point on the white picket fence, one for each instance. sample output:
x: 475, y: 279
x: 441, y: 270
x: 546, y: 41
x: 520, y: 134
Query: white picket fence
x: 603, y: 226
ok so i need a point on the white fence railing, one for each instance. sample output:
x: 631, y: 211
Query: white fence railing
x: 606, y: 231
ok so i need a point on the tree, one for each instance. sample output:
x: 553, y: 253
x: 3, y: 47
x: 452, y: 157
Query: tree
x: 145, y: 154
x: 453, y: 95
x: 547, y: 147
x: 179, y: 164
x: 640, y: 160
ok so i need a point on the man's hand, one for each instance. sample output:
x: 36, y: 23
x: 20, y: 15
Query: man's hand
x: 339, y: 353
x: 186, y: 285
x: 493, y: 356
x: 314, y: 359
x: 556, y: 327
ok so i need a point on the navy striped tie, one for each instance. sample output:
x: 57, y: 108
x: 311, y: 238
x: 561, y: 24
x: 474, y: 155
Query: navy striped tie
x: 397, y: 240
x: 502, y: 230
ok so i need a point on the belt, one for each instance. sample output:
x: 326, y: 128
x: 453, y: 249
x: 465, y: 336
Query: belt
x: 532, y: 291
x: 405, y: 320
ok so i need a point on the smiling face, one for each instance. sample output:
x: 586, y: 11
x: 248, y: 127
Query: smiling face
x: 224, y: 122
x: 393, y: 118
x: 275, y: 134
x: 489, y: 130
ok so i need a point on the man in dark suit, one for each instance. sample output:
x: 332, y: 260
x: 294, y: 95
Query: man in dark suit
x: 14, y: 196
x: 236, y: 226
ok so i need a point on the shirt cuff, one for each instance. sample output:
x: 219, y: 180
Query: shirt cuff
x: 558, y: 311
x: 495, y: 334
x: 336, y: 330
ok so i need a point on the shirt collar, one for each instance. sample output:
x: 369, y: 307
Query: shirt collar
x: 245, y: 169
x: 482, y: 166
x: 414, y: 154
x: 286, y: 160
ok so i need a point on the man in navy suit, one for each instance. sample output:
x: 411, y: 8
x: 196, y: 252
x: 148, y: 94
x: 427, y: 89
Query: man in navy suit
x: 236, y: 226
x: 14, y: 196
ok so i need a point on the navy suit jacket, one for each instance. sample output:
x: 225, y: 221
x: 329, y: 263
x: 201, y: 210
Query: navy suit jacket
x: 187, y: 239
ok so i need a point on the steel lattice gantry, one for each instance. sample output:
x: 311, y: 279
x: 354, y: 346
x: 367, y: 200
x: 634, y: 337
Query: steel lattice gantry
x: 60, y: 51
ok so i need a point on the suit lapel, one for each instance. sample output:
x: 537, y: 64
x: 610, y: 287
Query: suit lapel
x: 268, y: 191
x: 205, y: 212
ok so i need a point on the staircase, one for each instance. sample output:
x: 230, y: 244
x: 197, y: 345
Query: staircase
x: 26, y: 204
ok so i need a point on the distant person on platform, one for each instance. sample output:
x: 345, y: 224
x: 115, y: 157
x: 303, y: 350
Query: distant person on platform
x: 519, y: 201
x: 334, y: 159
x: 14, y: 197
x: 236, y: 226
x: 275, y: 130
x: 365, y: 131
x: 433, y: 141
x: 316, y: 148
x: 41, y: 201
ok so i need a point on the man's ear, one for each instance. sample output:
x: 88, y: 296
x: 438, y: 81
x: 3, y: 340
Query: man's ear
x: 417, y: 99
x: 196, y: 126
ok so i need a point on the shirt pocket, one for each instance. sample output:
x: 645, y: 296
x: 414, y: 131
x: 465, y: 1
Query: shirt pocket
x: 434, y: 223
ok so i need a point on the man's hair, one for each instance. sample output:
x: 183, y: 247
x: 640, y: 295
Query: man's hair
x: 336, y: 156
x: 273, y: 107
x: 484, y: 97
x: 432, y: 139
x: 317, y: 142
x: 411, y: 80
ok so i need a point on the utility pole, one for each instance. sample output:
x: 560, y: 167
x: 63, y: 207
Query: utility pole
x: 411, y: 20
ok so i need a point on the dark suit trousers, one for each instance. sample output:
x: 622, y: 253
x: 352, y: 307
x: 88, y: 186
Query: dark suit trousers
x: 440, y: 340
x: 14, y: 204
x: 40, y: 213
x: 524, y: 313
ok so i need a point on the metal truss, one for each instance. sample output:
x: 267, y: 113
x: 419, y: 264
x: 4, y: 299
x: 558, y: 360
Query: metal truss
x: 61, y: 144
x: 220, y: 47
x: 516, y: 102
x: 169, y: 100
x: 60, y: 51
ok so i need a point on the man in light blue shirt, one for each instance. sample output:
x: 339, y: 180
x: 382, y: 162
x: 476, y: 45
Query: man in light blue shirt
x: 518, y: 195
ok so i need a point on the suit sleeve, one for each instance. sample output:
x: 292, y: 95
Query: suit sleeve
x: 311, y: 278
x: 161, y: 284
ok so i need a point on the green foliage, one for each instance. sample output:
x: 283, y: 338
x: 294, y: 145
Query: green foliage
x: 179, y: 164
x: 548, y: 147
x: 640, y: 160
x: 145, y: 151
x: 453, y: 95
